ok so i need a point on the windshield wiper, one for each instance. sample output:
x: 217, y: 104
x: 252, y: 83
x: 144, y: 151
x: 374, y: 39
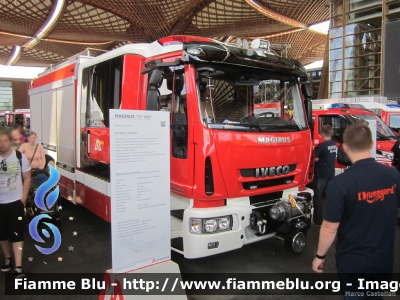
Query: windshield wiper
x: 384, y: 137
x: 289, y: 126
x: 256, y: 126
x: 263, y: 127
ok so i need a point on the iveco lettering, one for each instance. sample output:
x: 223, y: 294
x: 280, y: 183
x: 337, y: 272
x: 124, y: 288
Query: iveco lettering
x: 272, y: 171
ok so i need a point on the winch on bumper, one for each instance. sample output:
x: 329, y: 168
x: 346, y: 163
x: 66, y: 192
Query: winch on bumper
x: 289, y: 218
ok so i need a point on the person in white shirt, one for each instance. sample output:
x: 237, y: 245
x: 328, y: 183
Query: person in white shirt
x: 15, y: 180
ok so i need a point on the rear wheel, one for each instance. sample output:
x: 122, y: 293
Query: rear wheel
x: 295, y: 241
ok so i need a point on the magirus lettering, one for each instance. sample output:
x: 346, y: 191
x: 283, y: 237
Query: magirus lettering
x: 273, y: 140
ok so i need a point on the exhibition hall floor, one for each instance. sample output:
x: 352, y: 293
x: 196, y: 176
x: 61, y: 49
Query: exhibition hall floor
x: 92, y: 253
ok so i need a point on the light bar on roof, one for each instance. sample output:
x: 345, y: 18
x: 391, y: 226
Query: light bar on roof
x: 261, y: 44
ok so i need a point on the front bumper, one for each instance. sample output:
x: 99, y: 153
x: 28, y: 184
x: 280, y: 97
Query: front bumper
x: 197, y: 245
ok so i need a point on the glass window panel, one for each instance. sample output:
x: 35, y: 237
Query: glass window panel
x: 335, y: 76
x: 335, y: 54
x: 335, y: 65
x: 357, y: 62
x: 337, y: 21
x: 362, y: 84
x: 335, y: 87
x: 360, y: 4
x: 335, y: 95
x: 335, y: 43
x: 335, y: 33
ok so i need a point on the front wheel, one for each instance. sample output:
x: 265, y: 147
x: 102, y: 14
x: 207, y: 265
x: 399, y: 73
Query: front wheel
x: 295, y: 241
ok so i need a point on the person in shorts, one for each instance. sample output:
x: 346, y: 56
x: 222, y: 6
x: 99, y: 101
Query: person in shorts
x: 15, y: 177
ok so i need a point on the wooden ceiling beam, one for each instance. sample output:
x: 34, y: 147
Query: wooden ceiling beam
x: 274, y: 15
x: 185, y: 17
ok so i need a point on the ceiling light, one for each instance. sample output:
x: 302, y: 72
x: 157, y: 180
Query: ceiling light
x: 274, y: 15
x: 51, y: 21
x: 16, y: 54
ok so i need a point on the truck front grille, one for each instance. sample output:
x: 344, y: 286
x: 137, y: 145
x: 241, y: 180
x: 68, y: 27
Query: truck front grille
x: 252, y: 172
x: 253, y: 185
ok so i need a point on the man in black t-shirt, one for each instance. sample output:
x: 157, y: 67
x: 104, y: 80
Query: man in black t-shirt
x: 325, y: 155
x: 396, y: 155
x: 361, y: 209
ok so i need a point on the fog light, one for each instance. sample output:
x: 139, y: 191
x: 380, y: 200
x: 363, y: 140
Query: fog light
x: 196, y: 226
x: 224, y: 223
x: 210, y: 225
x: 213, y: 245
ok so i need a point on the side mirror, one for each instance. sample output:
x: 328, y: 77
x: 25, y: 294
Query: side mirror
x: 308, y: 105
x: 307, y: 91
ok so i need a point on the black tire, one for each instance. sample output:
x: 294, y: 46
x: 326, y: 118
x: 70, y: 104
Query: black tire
x: 295, y: 241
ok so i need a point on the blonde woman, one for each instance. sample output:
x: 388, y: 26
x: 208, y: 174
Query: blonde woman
x: 34, y: 151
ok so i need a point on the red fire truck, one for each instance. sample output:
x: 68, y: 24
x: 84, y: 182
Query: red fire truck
x: 237, y: 177
x: 19, y: 116
x: 340, y: 118
x: 3, y: 120
x: 389, y: 113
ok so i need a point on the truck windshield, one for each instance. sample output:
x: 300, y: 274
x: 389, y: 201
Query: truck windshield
x: 383, y: 131
x: 243, y: 100
x: 394, y: 121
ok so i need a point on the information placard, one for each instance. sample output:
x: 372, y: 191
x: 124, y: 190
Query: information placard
x: 140, y: 188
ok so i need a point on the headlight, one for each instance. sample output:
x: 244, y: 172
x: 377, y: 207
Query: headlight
x: 212, y: 225
x: 196, y: 226
x: 224, y: 223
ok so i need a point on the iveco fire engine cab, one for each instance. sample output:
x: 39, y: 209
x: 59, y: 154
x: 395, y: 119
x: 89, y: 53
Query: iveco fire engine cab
x: 340, y: 118
x: 237, y: 176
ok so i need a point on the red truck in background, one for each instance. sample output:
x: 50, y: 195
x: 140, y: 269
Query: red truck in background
x: 388, y: 112
x: 18, y: 116
x: 4, y: 118
x: 238, y: 176
x: 340, y: 118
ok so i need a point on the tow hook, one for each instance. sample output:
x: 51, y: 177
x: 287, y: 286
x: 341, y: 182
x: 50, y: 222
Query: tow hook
x: 300, y: 225
x: 261, y: 226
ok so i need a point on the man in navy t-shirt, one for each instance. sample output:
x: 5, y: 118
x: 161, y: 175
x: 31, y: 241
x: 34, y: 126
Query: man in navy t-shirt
x: 325, y: 155
x: 361, y: 209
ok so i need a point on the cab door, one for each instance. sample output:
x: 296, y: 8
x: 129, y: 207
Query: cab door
x: 170, y: 92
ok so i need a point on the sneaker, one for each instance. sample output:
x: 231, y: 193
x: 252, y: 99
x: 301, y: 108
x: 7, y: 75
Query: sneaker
x: 19, y: 272
x: 8, y: 262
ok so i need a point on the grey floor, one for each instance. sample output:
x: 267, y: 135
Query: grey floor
x: 92, y: 253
